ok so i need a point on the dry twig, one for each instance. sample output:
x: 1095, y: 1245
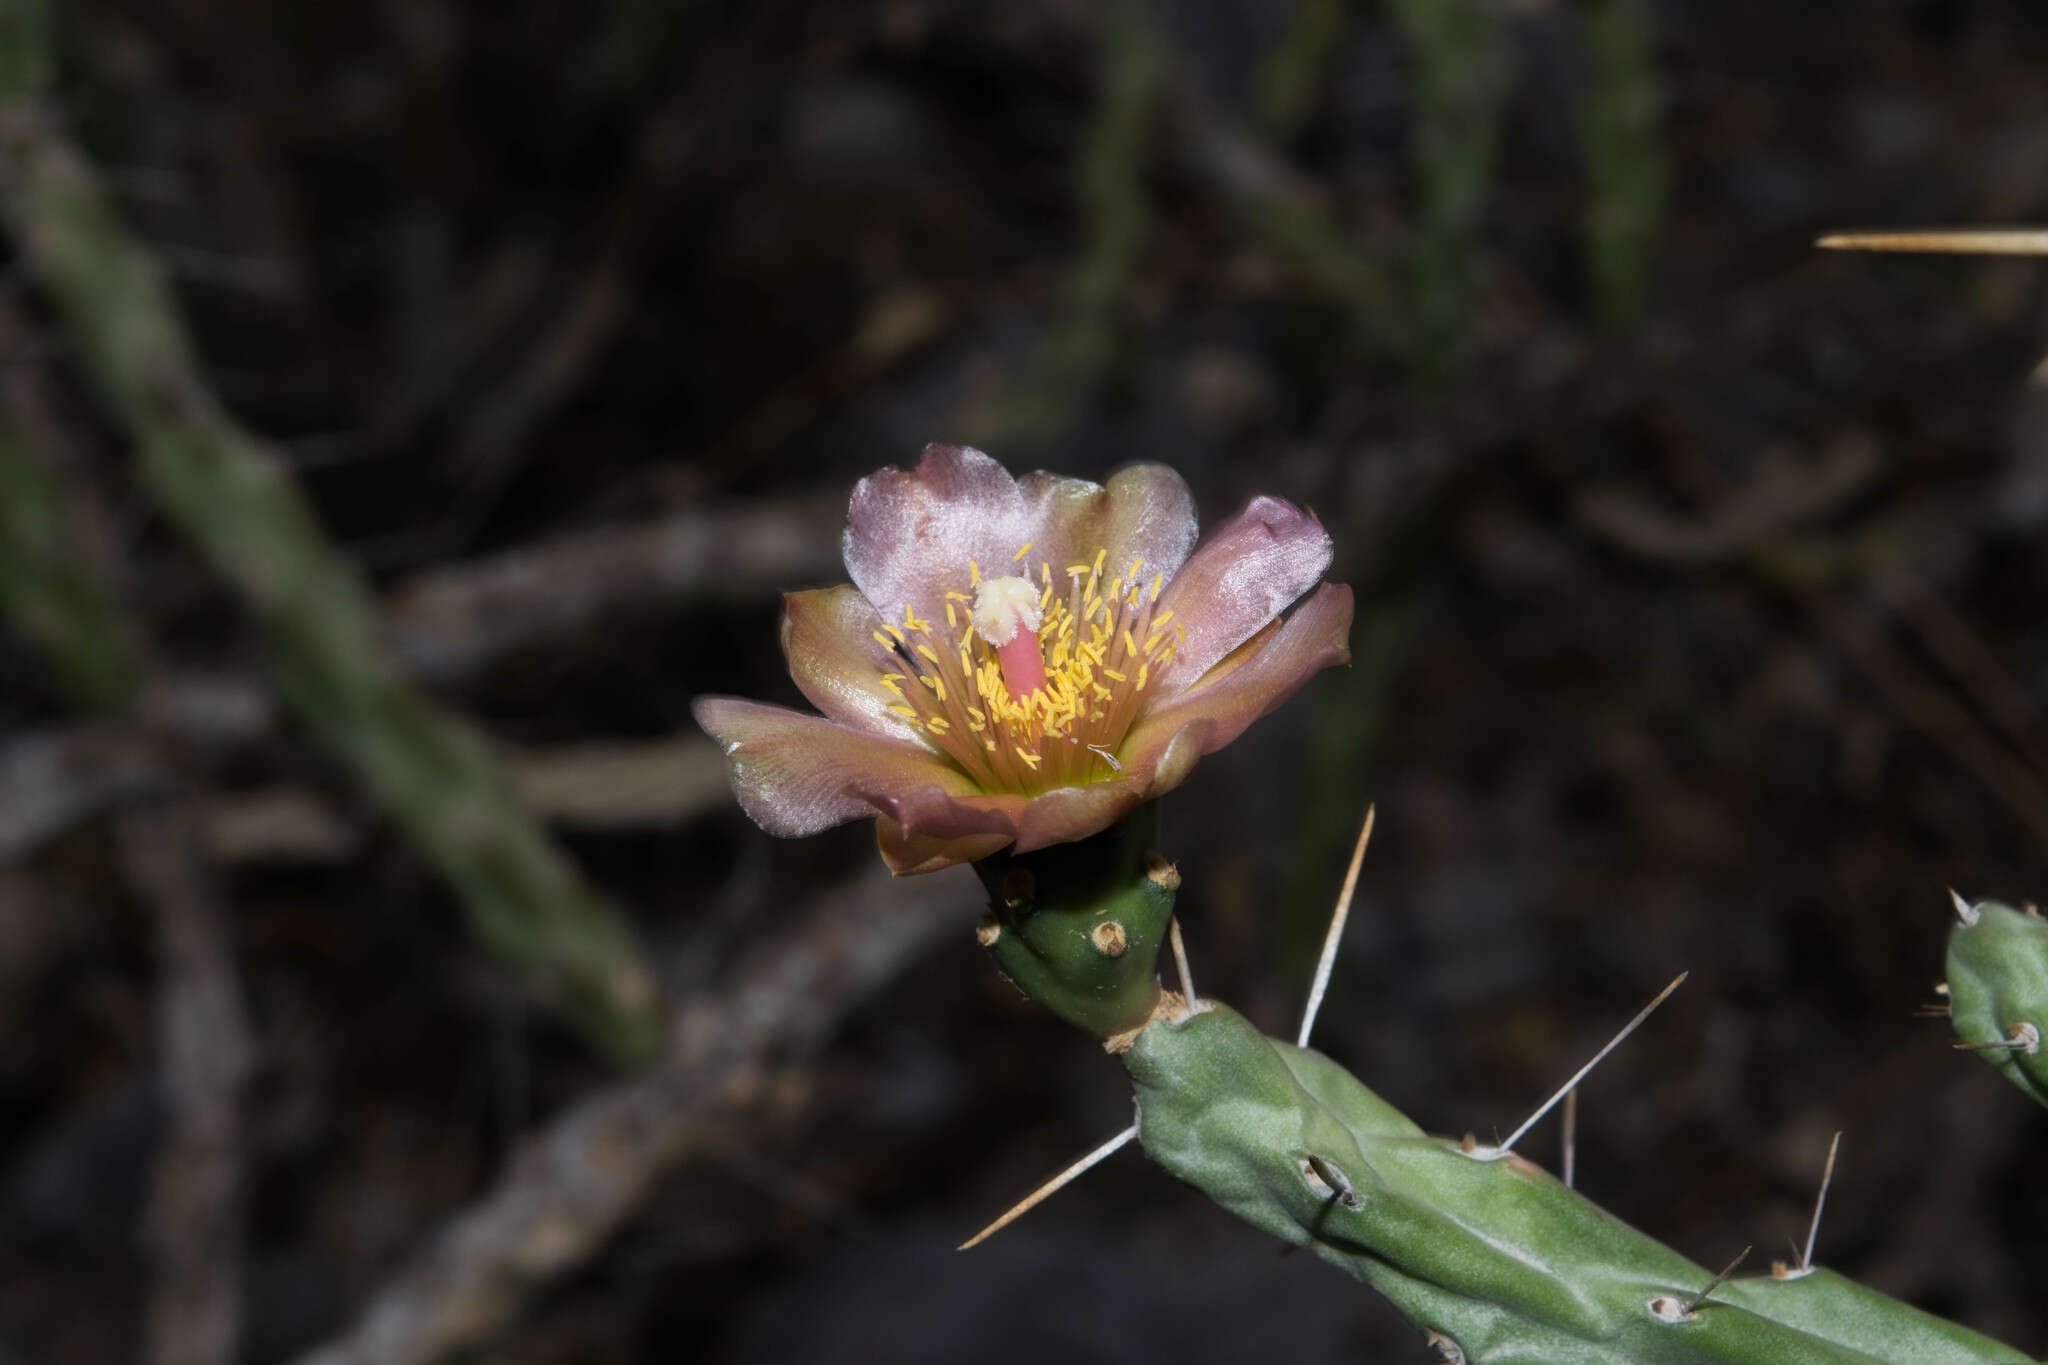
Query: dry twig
x: 579, y: 1180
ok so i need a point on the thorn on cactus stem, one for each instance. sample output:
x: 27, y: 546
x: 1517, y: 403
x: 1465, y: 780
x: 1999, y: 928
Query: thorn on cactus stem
x: 1569, y: 1167
x: 1447, y: 1351
x: 1052, y: 1187
x: 1180, y: 962
x: 1966, y: 913
x: 1335, y: 933
x: 1827, y: 1177
x: 1693, y: 1304
x: 2022, y: 1038
x: 1501, y: 1149
x: 988, y: 931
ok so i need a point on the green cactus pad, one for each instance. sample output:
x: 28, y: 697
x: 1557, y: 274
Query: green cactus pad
x: 1488, y: 1253
x: 1998, y: 990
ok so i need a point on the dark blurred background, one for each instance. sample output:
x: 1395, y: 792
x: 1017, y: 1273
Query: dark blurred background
x: 1700, y: 580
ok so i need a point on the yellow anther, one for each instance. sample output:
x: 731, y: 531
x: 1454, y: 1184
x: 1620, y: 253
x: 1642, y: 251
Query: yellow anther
x: 1157, y: 579
x: 904, y: 711
x: 937, y: 725
x: 1100, y: 555
x: 952, y: 618
x: 890, y: 681
x: 974, y: 573
x: 1130, y: 645
x: 1030, y: 758
x: 1045, y: 597
x: 959, y: 596
x: 1136, y: 564
x: 882, y: 640
x: 1018, y: 558
x: 1045, y: 573
x: 1152, y: 641
x: 1144, y: 670
x: 1076, y: 570
x: 928, y: 652
x: 895, y: 632
x: 1112, y: 673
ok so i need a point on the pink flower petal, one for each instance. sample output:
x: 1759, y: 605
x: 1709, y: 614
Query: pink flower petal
x: 908, y: 854
x: 1316, y: 636
x: 1144, y: 512
x: 1240, y: 579
x: 828, y: 637
x: 797, y: 774
x: 924, y: 829
x: 909, y: 534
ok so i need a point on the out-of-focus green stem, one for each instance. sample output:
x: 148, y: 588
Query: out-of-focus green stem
x: 49, y: 591
x: 1290, y: 74
x: 238, y: 505
x: 1110, y: 184
x: 1626, y: 173
x: 1460, y: 79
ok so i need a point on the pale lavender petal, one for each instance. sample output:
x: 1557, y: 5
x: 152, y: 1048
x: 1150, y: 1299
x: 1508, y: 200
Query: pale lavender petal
x: 1240, y: 579
x: 910, y: 533
x: 909, y: 853
x: 922, y: 829
x: 798, y: 774
x: 1316, y: 636
x: 828, y: 637
x: 1144, y: 512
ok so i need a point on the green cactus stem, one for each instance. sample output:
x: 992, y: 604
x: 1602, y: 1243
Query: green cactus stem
x: 1490, y: 1256
x: 1998, y: 990
x: 1078, y: 926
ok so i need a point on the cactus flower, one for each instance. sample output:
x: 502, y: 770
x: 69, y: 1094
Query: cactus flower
x: 1021, y: 662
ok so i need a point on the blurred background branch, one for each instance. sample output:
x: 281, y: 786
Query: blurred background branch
x: 237, y: 503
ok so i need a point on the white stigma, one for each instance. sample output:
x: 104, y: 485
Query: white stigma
x: 1001, y: 605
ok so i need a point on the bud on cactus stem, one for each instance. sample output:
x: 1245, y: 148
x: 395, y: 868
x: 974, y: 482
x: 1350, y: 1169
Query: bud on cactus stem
x: 1078, y: 926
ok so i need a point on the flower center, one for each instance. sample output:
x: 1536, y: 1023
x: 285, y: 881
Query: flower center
x: 1027, y: 690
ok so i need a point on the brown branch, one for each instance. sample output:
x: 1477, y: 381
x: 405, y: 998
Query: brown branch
x: 452, y: 623
x: 193, y: 1227
x: 578, y: 1181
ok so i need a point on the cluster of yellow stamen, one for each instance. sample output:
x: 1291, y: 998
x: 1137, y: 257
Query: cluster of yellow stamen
x: 1102, y: 643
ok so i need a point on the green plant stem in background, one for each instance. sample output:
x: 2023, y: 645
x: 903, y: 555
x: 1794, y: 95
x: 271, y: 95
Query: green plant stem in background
x: 235, y: 501
x: 1998, y: 991
x: 1110, y: 184
x: 1627, y: 177
x: 1291, y: 75
x: 49, y: 591
x: 1491, y: 1256
x: 1460, y: 79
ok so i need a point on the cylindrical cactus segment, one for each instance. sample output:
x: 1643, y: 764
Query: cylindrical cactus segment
x: 1489, y: 1255
x: 1998, y: 990
x: 1078, y: 926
